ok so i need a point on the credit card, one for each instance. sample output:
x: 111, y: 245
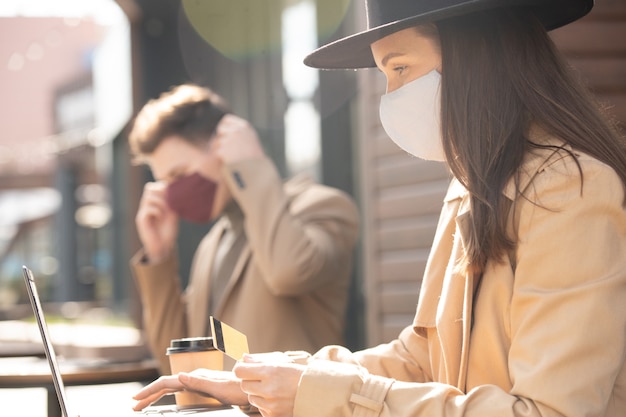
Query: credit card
x: 228, y: 340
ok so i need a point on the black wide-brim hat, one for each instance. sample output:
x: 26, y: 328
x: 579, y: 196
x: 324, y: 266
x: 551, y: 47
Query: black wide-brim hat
x: 385, y: 17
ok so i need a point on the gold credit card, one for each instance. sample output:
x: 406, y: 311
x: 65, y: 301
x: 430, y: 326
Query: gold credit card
x: 228, y: 340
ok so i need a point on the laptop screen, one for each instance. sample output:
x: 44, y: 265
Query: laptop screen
x: 43, y: 329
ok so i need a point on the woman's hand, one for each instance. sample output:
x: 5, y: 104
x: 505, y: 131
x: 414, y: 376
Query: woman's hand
x: 271, y: 382
x: 221, y: 385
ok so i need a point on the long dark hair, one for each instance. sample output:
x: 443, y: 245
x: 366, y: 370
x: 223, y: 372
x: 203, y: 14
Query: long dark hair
x: 501, y: 75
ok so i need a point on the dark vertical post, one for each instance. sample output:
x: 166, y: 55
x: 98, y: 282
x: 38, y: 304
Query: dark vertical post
x: 65, y: 233
x: 336, y: 92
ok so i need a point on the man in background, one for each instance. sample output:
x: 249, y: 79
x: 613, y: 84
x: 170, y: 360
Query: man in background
x: 275, y: 265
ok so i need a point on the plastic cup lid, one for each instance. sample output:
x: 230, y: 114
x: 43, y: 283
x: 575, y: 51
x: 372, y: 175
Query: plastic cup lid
x: 191, y: 344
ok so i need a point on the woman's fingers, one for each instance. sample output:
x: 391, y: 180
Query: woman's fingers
x: 146, y: 401
x: 164, y: 385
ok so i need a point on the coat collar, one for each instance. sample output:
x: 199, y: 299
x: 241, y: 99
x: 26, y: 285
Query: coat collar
x: 444, y: 307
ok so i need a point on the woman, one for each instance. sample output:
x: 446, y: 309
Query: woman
x: 521, y: 311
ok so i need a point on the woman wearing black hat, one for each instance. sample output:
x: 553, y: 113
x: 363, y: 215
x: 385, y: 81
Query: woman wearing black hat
x: 522, y: 310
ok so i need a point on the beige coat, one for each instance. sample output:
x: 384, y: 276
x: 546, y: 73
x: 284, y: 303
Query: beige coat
x: 289, y: 287
x: 545, y: 334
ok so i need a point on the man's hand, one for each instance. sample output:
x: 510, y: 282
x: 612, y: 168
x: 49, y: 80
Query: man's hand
x: 236, y: 140
x: 157, y: 224
x: 221, y: 385
x: 271, y: 382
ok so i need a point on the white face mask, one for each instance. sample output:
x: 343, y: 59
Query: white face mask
x: 411, y: 116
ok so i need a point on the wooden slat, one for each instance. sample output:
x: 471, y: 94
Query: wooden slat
x: 402, y: 170
x: 413, y: 200
x: 592, y: 38
x: 400, y: 299
x: 407, y: 233
x: 402, y: 266
x: 384, y: 146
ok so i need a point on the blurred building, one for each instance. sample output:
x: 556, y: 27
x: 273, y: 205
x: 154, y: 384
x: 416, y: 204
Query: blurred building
x: 49, y: 173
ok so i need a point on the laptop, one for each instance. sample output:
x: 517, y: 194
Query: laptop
x: 57, y: 379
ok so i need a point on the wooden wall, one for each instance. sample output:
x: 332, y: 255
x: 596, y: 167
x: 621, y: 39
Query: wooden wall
x: 401, y: 198
x: 401, y: 195
x: 596, y: 46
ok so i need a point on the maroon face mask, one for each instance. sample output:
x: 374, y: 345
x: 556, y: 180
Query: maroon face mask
x: 192, y: 197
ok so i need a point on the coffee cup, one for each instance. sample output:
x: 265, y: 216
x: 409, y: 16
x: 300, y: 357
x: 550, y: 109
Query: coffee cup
x: 192, y: 353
